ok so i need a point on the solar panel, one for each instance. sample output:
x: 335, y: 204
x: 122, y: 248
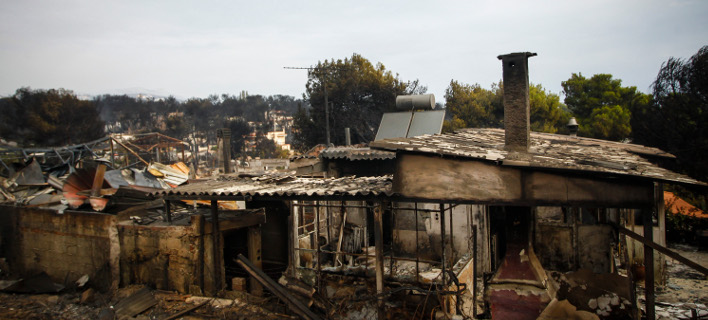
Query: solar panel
x: 394, y: 125
x: 426, y: 122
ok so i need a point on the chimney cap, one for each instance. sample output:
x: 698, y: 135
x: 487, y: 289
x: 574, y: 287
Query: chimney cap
x: 515, y: 54
x: 572, y: 122
x: 572, y: 127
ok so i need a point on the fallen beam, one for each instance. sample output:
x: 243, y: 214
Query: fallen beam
x: 664, y: 250
x: 186, y: 311
x: 293, y: 303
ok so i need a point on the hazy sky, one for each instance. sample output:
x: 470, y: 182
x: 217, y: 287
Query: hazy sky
x: 196, y: 48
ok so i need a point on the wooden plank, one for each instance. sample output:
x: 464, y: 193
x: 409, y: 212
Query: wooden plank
x: 341, y: 236
x: 254, y: 254
x: 136, y: 303
x: 292, y: 302
x: 242, y: 219
x: 663, y: 250
x: 188, y: 310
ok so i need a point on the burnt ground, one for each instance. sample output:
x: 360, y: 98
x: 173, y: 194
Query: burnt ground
x: 686, y: 289
x: 99, y: 306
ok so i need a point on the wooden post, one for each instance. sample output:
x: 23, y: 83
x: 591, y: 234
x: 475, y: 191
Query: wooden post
x: 216, y: 235
x: 168, y: 211
x: 442, y: 241
x: 474, y: 270
x: 294, y: 239
x: 200, y: 264
x: 443, y: 301
x: 378, y: 242
x: 113, y: 157
x: 661, y: 215
x: 417, y: 254
x: 254, y: 254
x: 317, y: 244
x: 648, y: 263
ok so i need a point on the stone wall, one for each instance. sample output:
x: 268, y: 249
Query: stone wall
x: 165, y: 257
x: 65, y: 246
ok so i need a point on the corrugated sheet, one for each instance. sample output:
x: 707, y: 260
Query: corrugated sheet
x: 285, y: 186
x: 353, y: 153
x: 551, y: 151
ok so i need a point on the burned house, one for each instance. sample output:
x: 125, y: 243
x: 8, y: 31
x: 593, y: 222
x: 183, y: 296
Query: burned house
x: 509, y: 222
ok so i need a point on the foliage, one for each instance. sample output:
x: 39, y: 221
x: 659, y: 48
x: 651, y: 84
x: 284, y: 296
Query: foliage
x: 676, y: 121
x: 474, y: 106
x: 601, y: 98
x: 547, y: 113
x: 358, y: 92
x: 49, y: 118
x: 607, y: 122
x: 684, y: 228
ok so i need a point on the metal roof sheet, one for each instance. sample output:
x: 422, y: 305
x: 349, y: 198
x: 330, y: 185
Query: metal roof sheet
x: 284, y: 185
x: 546, y: 150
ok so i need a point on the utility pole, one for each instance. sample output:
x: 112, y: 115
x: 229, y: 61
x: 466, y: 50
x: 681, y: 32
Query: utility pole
x: 323, y: 72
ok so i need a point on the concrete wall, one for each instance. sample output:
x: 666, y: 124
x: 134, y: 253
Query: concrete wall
x: 65, y: 246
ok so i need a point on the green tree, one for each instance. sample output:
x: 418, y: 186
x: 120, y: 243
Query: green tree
x: 584, y: 97
x: 359, y: 92
x: 548, y: 114
x: 676, y: 121
x: 473, y: 106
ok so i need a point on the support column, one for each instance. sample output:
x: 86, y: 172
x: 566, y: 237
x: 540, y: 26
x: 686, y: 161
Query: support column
x: 254, y: 254
x: 216, y: 237
x: 378, y: 238
x: 648, y: 263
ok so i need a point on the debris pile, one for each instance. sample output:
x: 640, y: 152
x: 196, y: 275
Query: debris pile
x: 91, y: 183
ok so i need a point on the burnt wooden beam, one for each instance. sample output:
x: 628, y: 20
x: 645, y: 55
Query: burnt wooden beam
x: 484, y: 182
x: 188, y: 310
x: 378, y: 243
x: 254, y: 253
x: 668, y: 252
x: 649, y: 264
x: 215, y: 245
x: 242, y: 219
x: 168, y: 211
x: 293, y: 303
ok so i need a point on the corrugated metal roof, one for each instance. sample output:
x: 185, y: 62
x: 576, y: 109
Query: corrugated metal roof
x: 285, y: 186
x: 546, y: 150
x: 353, y: 153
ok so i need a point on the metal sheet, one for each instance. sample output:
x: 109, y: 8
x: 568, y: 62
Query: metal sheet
x: 394, y: 125
x: 426, y: 122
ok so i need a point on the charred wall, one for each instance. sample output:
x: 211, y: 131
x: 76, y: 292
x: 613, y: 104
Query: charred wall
x: 65, y: 246
x: 164, y: 257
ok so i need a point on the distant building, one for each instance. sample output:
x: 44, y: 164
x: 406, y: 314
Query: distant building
x: 279, y: 138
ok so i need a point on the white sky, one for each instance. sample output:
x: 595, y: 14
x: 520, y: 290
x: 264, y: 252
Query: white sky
x: 196, y: 48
